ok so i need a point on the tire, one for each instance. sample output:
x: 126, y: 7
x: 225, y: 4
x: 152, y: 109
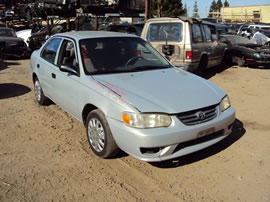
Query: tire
x: 40, y: 97
x: 99, y: 135
x: 241, y: 62
x: 227, y: 58
x: 203, y: 64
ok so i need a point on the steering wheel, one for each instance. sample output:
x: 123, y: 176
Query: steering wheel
x: 137, y: 57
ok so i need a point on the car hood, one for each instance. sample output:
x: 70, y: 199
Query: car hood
x: 169, y: 90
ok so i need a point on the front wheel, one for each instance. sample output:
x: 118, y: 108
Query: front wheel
x: 99, y: 135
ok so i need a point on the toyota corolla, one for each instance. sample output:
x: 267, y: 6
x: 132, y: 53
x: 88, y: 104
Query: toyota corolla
x: 129, y: 97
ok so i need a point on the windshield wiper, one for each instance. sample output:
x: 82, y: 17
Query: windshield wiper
x: 108, y: 71
x: 142, y: 68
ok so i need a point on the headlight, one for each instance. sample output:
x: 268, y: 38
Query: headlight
x: 225, y: 103
x: 138, y: 120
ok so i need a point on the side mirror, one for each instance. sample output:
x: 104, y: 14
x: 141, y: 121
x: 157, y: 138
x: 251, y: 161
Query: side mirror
x: 68, y: 69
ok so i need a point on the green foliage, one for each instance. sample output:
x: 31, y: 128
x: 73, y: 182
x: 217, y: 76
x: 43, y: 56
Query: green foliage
x: 216, y: 6
x: 168, y: 8
x: 219, y: 5
x: 213, y: 8
x: 195, y: 10
x: 185, y: 11
x: 226, y: 3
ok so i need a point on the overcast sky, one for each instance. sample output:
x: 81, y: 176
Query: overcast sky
x: 204, y: 5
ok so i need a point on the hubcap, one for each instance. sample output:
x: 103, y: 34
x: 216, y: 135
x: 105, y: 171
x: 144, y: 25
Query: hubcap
x: 37, y: 90
x: 96, y: 134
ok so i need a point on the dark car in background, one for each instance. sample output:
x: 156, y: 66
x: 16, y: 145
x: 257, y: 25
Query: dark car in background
x: 11, y: 45
x: 245, y: 52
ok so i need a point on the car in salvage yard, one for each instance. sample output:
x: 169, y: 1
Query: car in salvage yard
x: 188, y: 42
x: 11, y: 45
x: 128, y: 96
x: 245, y: 52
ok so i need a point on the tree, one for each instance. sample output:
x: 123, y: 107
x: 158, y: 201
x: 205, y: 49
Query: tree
x: 168, y: 8
x: 226, y: 3
x: 185, y: 11
x: 195, y: 10
x: 219, y: 5
x: 213, y: 8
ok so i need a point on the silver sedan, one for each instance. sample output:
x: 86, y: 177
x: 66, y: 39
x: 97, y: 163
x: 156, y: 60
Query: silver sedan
x: 129, y: 97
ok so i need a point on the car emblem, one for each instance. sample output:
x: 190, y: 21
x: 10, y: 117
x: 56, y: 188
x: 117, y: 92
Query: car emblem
x: 200, y: 115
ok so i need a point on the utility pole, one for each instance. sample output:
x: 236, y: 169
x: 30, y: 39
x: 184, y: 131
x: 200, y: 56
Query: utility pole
x: 148, y: 4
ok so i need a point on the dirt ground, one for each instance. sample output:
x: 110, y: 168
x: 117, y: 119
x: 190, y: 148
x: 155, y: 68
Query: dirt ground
x: 44, y: 153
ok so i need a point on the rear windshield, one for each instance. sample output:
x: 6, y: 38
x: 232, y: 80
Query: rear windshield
x: 7, y: 33
x: 165, y: 31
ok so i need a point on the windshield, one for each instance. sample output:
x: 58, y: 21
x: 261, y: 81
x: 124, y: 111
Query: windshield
x: 239, y: 40
x: 7, y: 33
x: 119, y: 54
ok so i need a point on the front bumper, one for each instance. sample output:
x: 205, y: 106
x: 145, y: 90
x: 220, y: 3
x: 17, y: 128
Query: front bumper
x: 18, y: 52
x: 161, y: 144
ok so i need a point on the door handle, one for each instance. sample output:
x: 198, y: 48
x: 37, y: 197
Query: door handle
x: 38, y: 66
x: 53, y: 76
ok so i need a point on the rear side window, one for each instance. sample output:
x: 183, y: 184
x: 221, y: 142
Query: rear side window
x: 207, y: 33
x: 213, y: 33
x: 165, y: 31
x: 50, y: 50
x: 196, y: 33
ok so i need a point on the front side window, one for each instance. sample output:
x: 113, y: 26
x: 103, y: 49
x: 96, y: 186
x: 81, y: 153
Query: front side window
x: 119, y: 54
x: 50, y: 50
x: 67, y: 54
x: 165, y: 31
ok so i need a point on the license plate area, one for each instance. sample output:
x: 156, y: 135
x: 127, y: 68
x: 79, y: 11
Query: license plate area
x: 205, y: 132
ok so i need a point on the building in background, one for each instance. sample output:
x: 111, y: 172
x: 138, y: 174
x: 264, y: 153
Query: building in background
x: 258, y: 13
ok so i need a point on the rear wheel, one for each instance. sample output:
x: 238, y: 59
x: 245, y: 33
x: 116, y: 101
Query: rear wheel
x: 99, y: 135
x: 40, y: 97
x: 203, y: 64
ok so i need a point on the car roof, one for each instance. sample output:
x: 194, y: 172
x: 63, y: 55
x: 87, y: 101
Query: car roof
x: 78, y: 35
x: 183, y: 19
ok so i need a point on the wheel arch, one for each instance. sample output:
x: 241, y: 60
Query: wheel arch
x: 34, y: 77
x: 86, y: 110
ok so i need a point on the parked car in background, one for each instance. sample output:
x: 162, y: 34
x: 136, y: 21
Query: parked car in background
x: 128, y: 96
x: 261, y: 37
x: 124, y: 28
x: 11, y: 45
x: 223, y: 29
x: 260, y: 26
x: 187, y: 42
x: 38, y: 37
x: 245, y: 52
x: 25, y: 34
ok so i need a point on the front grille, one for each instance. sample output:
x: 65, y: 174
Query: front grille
x: 199, y: 140
x: 198, y: 116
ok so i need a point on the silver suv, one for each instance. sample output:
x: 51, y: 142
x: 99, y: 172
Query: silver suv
x: 187, y: 42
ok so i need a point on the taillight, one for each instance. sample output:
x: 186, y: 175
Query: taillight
x: 189, y: 55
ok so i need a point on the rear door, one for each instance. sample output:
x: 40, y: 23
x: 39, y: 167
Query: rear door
x: 46, y: 66
x: 198, y: 44
x: 167, y: 38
